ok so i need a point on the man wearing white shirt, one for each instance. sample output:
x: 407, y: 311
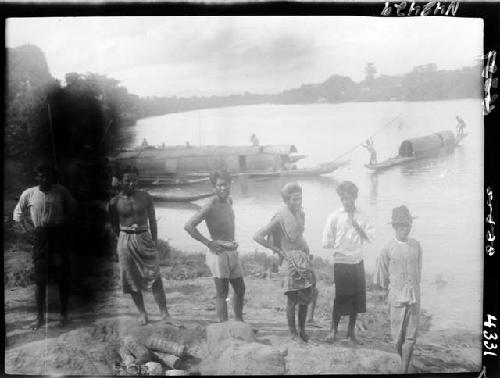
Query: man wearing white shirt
x: 49, y: 205
x: 346, y: 231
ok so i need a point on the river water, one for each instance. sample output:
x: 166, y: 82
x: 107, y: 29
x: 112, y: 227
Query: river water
x: 445, y: 193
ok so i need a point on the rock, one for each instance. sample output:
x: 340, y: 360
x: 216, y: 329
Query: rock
x: 173, y: 362
x: 139, y: 351
x: 242, y: 358
x: 126, y: 357
x: 165, y: 346
x: 219, y: 334
x: 283, y: 349
x: 154, y: 368
x: 311, y: 359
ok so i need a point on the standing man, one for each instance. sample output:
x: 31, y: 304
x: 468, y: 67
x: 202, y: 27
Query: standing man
x: 284, y: 234
x: 50, y: 206
x: 222, y: 257
x: 368, y: 144
x: 399, y: 269
x: 346, y: 231
x: 460, y: 126
x: 130, y: 212
x: 254, y: 140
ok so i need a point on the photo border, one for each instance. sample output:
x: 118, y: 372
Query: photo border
x: 489, y: 12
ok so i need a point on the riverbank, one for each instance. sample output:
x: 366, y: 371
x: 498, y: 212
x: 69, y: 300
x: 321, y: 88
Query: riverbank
x: 89, y: 344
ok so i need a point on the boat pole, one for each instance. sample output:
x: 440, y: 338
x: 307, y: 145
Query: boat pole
x: 371, y: 136
x: 199, y: 127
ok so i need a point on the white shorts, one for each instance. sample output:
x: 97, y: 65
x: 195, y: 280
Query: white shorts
x: 224, y: 265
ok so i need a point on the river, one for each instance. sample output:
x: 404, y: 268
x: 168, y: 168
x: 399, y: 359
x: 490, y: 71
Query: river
x: 444, y: 193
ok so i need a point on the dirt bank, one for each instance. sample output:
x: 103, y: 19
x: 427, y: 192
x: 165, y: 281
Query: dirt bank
x: 88, y: 346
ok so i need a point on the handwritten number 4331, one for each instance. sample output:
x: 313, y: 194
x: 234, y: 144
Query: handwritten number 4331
x: 490, y: 336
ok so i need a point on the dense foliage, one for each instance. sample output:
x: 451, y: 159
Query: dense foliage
x: 75, y: 124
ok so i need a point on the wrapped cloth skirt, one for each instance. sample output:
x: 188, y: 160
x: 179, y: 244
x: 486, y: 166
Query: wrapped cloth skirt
x: 350, y: 288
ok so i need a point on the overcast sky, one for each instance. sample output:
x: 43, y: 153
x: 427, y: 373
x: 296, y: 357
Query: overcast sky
x: 186, y: 56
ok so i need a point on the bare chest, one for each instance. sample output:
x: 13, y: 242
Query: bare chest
x: 128, y: 206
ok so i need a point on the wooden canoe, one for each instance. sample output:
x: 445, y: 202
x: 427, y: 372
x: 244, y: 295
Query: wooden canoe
x: 163, y: 182
x: 160, y: 197
x: 391, y: 162
x: 319, y: 170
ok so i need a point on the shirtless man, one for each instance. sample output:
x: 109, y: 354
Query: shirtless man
x: 222, y: 256
x: 130, y: 212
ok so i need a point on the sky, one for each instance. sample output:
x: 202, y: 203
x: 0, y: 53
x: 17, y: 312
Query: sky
x: 221, y: 55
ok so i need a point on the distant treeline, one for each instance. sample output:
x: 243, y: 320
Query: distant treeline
x: 85, y: 116
x: 423, y: 83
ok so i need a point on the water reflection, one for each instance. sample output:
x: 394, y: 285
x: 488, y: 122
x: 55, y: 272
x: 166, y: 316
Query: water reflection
x: 427, y: 164
x: 373, y: 188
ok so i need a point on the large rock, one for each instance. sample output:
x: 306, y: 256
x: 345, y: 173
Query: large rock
x: 242, y: 358
x: 219, y: 335
x: 332, y: 359
x: 235, y: 351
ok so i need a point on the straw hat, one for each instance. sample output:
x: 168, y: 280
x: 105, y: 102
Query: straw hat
x: 401, y: 215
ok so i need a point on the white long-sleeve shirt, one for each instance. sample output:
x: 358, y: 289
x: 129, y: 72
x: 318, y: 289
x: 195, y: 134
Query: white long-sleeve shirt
x: 340, y: 235
x: 48, y: 208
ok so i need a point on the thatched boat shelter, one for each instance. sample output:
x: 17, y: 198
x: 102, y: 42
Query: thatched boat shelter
x: 427, y: 145
x: 180, y: 160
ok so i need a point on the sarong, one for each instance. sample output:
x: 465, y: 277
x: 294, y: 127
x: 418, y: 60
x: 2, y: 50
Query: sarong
x: 404, y: 323
x: 224, y: 265
x: 139, y: 262
x: 297, y: 274
x: 50, y: 255
x: 350, y: 288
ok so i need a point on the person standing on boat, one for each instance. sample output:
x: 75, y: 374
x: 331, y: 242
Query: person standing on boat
x: 460, y: 126
x: 368, y: 144
x: 222, y: 257
x: 284, y: 235
x: 50, y: 206
x: 130, y: 211
x: 399, y: 269
x: 346, y: 231
x: 254, y: 140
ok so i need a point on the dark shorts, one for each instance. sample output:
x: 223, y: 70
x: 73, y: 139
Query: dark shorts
x: 50, y: 255
x: 350, y: 288
x: 301, y: 296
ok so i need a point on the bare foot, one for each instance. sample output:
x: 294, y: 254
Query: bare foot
x: 295, y: 337
x: 332, y: 337
x: 169, y: 320
x: 303, y: 336
x: 37, y: 324
x: 143, y: 319
x: 352, y: 340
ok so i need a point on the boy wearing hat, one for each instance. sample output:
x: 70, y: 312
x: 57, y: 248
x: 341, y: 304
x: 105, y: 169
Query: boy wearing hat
x: 399, y: 269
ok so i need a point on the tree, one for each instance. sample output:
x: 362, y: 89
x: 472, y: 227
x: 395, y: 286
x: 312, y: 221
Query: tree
x: 370, y: 72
